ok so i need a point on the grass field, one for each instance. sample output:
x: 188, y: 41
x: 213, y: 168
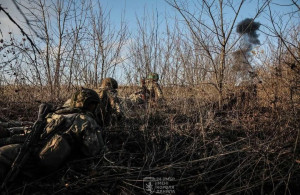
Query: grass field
x: 249, y: 148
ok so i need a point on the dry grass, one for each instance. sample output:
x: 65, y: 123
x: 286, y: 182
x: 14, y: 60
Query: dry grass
x: 241, y: 150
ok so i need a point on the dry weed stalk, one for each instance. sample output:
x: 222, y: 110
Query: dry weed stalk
x: 250, y: 150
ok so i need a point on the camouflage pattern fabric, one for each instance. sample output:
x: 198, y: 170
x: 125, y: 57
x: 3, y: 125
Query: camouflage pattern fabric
x: 7, y: 156
x: 67, y: 103
x: 13, y: 123
x: 110, y: 109
x: 141, y: 96
x: 155, y: 92
x: 149, y: 91
x: 76, y: 130
x: 138, y: 98
x: 12, y: 127
x: 109, y: 83
x: 64, y: 135
x: 83, y: 97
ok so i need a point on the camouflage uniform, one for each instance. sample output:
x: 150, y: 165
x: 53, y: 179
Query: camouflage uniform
x: 68, y: 131
x: 8, y: 128
x: 67, y: 104
x: 142, y: 95
x: 154, y: 89
x: 110, y: 109
x: 149, y: 90
x: 12, y: 123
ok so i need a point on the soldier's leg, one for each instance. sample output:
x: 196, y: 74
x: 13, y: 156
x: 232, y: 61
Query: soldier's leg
x: 4, y: 132
x: 3, y: 171
x: 7, y: 156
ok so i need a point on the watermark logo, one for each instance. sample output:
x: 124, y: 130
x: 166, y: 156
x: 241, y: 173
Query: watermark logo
x: 159, y: 185
x: 149, y: 185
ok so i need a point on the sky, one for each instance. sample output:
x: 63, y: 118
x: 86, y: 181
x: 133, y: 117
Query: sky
x: 138, y: 9
x: 130, y: 9
x: 5, y: 24
x: 133, y: 9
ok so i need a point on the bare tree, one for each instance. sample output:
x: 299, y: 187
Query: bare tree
x: 107, y: 43
x: 51, y: 21
x: 146, y: 46
x: 214, y: 34
x: 283, y: 30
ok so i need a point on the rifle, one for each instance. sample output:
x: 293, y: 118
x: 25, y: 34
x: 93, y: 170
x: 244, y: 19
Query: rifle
x: 143, y: 93
x: 31, y: 139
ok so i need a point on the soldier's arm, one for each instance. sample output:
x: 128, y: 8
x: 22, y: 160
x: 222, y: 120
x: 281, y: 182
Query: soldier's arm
x: 158, y: 90
x: 115, y: 103
x: 92, y: 141
x: 13, y: 123
x: 117, y: 106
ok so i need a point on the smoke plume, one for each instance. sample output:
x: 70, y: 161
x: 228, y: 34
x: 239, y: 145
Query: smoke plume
x: 248, y: 30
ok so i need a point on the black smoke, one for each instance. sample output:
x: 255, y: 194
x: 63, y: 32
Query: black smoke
x: 247, y: 29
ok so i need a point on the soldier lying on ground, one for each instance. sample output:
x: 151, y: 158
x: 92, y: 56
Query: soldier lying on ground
x: 9, y: 128
x: 110, y: 110
x: 12, y: 123
x: 66, y: 133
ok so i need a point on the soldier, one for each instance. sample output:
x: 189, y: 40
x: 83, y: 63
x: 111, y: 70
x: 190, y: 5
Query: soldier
x: 142, y: 95
x: 149, y: 90
x: 8, y: 128
x: 68, y: 131
x: 12, y: 123
x: 110, y: 110
x: 153, y: 87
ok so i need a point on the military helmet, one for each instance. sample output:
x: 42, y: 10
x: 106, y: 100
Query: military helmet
x: 110, y: 83
x: 83, y: 97
x: 153, y: 76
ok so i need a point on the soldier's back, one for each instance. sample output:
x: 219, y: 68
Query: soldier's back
x: 110, y: 108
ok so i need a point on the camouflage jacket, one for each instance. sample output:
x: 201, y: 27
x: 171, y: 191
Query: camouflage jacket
x: 150, y: 91
x: 141, y: 96
x: 154, y: 90
x: 81, y: 129
x: 110, y: 109
x: 66, y: 134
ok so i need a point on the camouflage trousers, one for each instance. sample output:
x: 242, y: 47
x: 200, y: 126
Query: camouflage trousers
x: 7, y: 156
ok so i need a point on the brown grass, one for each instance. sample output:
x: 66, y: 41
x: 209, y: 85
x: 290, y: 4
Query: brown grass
x: 240, y: 150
